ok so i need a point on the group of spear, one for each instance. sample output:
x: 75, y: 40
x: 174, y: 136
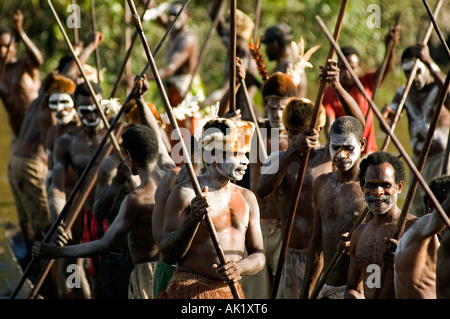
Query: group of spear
x: 87, y: 178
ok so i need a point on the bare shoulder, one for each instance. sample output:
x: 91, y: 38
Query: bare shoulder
x: 322, y: 179
x: 321, y: 154
x: 246, y: 193
x: 410, y: 220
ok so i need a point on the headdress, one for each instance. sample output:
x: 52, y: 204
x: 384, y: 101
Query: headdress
x: 228, y: 135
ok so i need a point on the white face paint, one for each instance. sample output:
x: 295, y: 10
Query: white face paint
x: 380, y: 205
x: 232, y: 165
x: 275, y: 106
x: 345, y: 150
x: 422, y: 72
x: 89, y: 115
x: 62, y: 107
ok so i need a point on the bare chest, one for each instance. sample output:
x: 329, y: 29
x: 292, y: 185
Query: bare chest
x: 372, y: 245
x: 228, y: 211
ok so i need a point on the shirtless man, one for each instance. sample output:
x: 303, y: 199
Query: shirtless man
x: 234, y: 213
x: 277, y: 39
x: 28, y: 164
x: 133, y: 221
x: 419, y: 105
x: 332, y: 100
x: 338, y: 200
x: 381, y: 177
x: 19, y: 80
x: 281, y: 172
x: 277, y: 90
x: 182, y: 53
x: 416, y: 253
x: 244, y: 29
x: 443, y: 263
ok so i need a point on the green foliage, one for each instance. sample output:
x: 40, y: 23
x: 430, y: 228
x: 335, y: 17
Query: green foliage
x: 300, y: 15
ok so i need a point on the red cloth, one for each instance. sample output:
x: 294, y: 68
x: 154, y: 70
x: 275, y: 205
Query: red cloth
x: 334, y: 108
x: 92, y: 231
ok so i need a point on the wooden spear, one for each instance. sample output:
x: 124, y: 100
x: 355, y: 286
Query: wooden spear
x: 76, y: 35
x: 444, y: 43
x: 304, y: 161
x: 75, y: 211
x: 410, y: 81
x: 205, y: 47
x: 10, y: 44
x: 326, y: 271
x: 383, y: 122
x: 400, y: 227
x: 81, y: 198
x: 257, y: 18
x: 173, y: 122
x: 436, y: 28
x: 232, y: 55
x: 262, y: 146
x: 389, y: 48
x: 83, y: 176
x: 127, y: 56
x: 97, y: 51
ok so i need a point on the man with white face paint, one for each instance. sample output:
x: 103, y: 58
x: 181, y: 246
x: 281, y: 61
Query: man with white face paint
x: 338, y: 200
x: 419, y: 105
x: 63, y: 109
x: 72, y: 151
x: 234, y: 213
x: 281, y: 171
x: 276, y: 91
x: 381, y: 177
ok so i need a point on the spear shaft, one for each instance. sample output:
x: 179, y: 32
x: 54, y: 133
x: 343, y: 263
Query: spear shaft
x: 304, y: 162
x: 173, y: 122
x: 410, y: 81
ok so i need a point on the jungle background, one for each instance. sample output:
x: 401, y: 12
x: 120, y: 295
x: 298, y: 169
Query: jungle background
x: 110, y: 16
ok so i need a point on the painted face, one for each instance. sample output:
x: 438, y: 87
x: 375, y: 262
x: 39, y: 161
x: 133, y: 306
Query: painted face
x: 89, y: 115
x: 275, y: 106
x: 233, y: 165
x: 345, y: 150
x: 380, y: 190
x: 422, y: 73
x: 62, y: 107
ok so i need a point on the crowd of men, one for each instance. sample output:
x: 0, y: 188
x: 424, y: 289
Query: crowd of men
x: 229, y: 220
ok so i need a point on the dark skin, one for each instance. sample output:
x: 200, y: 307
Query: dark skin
x: 338, y: 199
x: 282, y: 183
x: 421, y: 88
x: 367, y: 243
x: 416, y: 256
x: 443, y: 262
x: 242, y: 52
x: 182, y: 50
x: 39, y: 119
x: 134, y: 219
x: 346, y: 79
x: 278, y: 52
x: 20, y: 80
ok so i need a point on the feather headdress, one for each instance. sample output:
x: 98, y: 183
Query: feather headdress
x: 298, y: 60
